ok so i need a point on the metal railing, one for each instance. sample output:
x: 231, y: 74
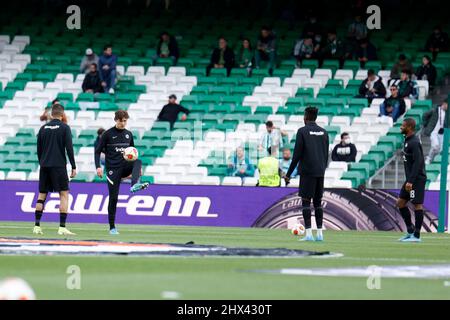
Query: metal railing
x: 382, y: 171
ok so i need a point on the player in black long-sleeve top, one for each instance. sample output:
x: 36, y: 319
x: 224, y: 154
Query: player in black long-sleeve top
x: 414, y: 187
x: 54, y: 140
x: 311, y: 155
x: 112, y: 143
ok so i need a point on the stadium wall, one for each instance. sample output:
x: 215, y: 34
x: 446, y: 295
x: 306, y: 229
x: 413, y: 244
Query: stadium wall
x: 221, y: 206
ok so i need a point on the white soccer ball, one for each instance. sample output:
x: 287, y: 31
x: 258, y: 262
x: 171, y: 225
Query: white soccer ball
x: 130, y: 154
x: 16, y: 289
x: 298, y: 229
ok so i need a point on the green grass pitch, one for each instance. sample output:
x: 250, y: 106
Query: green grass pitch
x: 123, y: 277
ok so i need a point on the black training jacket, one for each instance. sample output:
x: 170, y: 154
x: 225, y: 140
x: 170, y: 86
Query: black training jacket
x: 113, y: 142
x: 311, y: 151
x: 53, y: 141
x: 413, y: 160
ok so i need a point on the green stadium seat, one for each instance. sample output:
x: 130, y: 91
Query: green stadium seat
x: 218, y: 72
x: 86, y: 97
x: 305, y: 93
x: 264, y: 110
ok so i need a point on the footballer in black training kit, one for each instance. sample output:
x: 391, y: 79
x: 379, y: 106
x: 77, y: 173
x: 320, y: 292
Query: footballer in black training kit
x: 414, y: 187
x: 311, y: 155
x: 54, y: 140
x: 113, y: 143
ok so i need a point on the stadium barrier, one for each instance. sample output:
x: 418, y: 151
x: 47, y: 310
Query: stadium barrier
x: 221, y: 206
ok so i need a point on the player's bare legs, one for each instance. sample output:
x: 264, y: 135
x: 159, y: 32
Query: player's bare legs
x: 38, y: 213
x: 63, y: 208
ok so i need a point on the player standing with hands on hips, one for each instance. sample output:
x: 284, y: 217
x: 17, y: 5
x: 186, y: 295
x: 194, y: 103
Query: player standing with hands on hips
x: 53, y: 141
x: 414, y: 188
x: 311, y: 155
x: 113, y: 143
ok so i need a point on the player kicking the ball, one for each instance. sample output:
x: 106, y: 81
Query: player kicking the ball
x: 113, y: 142
x: 414, y: 188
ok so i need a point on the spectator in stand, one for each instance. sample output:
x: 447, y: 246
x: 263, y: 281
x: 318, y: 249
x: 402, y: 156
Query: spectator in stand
x: 394, y: 106
x: 312, y: 28
x: 357, y: 30
x: 402, y: 64
x: 239, y: 165
x: 170, y: 111
x: 434, y: 122
x: 266, y: 49
x: 92, y: 82
x: 222, y: 57
x: 406, y: 86
x: 47, y: 114
x: 345, y: 151
x: 88, y: 60
x: 246, y: 55
x: 333, y: 49
x: 437, y: 42
x: 97, y: 141
x: 272, y: 140
x: 285, y: 163
x: 365, y: 52
x: 372, y: 87
x: 305, y: 49
x: 107, y: 69
x: 167, y: 48
x: 427, y: 71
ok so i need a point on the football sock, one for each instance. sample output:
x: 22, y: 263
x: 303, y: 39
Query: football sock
x: 318, y: 213
x: 136, y: 173
x: 419, y: 222
x: 406, y: 215
x: 306, y: 204
x: 38, y: 216
x: 62, y: 219
x: 38, y: 213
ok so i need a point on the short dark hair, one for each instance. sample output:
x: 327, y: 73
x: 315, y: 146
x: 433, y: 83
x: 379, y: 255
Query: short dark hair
x: 269, y: 124
x: 121, y: 114
x: 427, y: 57
x: 55, y: 101
x: 100, y: 131
x: 94, y: 64
x: 402, y: 57
x: 311, y: 113
x: 222, y: 37
x: 370, y: 72
x: 344, y: 134
x: 107, y: 46
x: 410, y: 122
x: 408, y: 72
x: 394, y: 86
x: 266, y: 27
x: 57, y: 110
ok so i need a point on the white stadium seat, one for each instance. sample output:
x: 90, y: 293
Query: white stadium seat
x: 232, y: 181
x: 176, y: 71
x: 16, y: 175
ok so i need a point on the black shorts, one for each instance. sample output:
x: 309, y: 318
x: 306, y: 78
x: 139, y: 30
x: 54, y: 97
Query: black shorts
x: 417, y: 194
x: 53, y: 179
x: 311, y: 187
